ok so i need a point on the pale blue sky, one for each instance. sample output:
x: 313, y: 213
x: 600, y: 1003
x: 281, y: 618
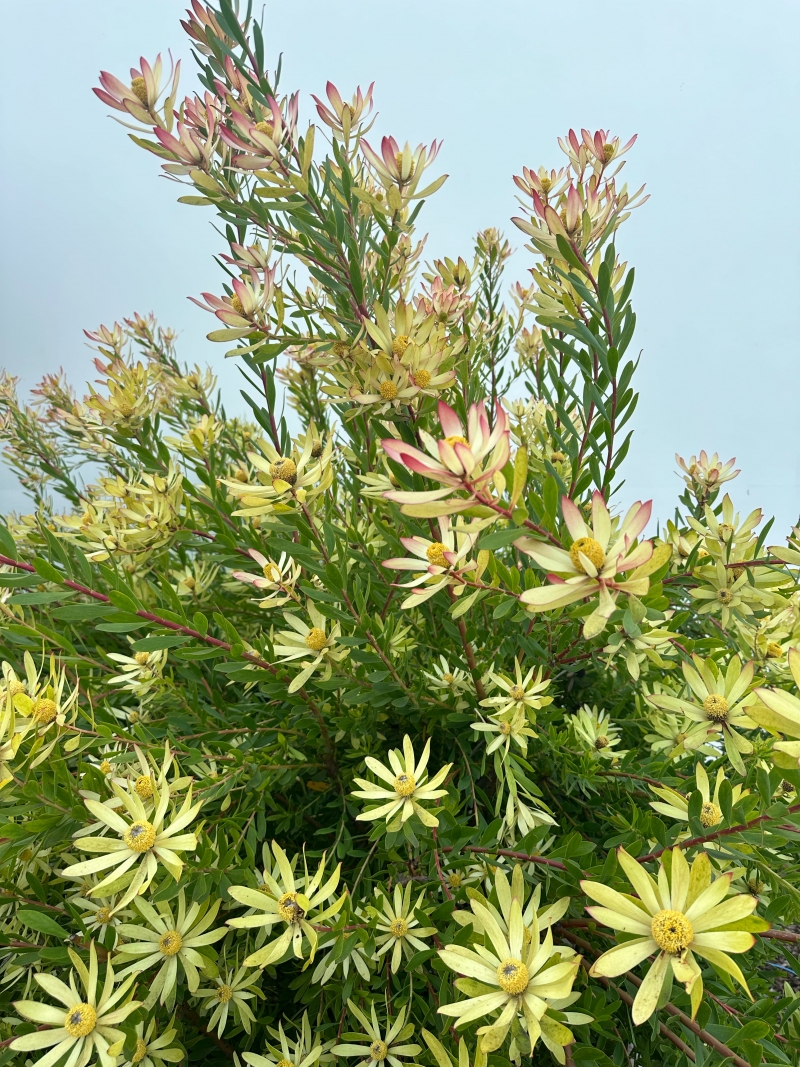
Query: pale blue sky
x: 90, y: 233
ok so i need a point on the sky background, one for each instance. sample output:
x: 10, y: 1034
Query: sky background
x: 90, y: 233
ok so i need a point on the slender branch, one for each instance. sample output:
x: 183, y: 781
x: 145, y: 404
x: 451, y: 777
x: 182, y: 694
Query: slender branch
x: 739, y: 828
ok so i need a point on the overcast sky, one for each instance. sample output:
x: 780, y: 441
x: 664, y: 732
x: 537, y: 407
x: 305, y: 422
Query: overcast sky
x: 90, y: 233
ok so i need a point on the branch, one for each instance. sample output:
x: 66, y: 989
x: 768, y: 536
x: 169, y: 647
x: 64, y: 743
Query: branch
x: 739, y: 828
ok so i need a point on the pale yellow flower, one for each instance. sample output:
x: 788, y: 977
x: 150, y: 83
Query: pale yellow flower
x: 409, y: 786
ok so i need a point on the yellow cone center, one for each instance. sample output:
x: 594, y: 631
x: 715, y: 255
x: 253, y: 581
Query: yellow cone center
x: 774, y: 650
x: 456, y: 439
x: 591, y: 550
x: 724, y: 596
x: 237, y: 305
x: 716, y: 707
x: 170, y: 943
x: 141, y: 1050
x: 601, y: 742
x: 516, y: 692
x: 505, y: 728
x: 44, y: 710
x: 285, y: 469
x: 315, y: 639
x: 399, y: 345
x: 144, y: 786
x: 142, y: 658
x: 672, y: 931
x: 398, y: 927
x: 404, y: 785
x: 289, y: 910
x: 140, y: 836
x: 80, y: 1020
x: 422, y: 378
x: 139, y: 86
x: 103, y: 916
x: 388, y: 390
x: 454, y: 880
x: 710, y: 814
x: 512, y: 977
x: 266, y: 128
x: 284, y: 1063
x: 378, y: 1050
x: 435, y: 553
x: 224, y: 994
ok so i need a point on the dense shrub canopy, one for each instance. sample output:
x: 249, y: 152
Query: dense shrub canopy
x: 375, y: 727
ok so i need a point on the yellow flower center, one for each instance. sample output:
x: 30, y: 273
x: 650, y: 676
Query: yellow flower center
x: 140, y: 836
x: 378, y: 1050
x: 44, y: 710
x: 399, y: 162
x: 285, y: 469
x: 456, y: 439
x: 317, y: 449
x: 265, y: 127
x: 80, y: 1020
x: 141, y: 1050
x: 15, y: 688
x: 170, y: 943
x: 399, y: 345
x: 435, y: 553
x: 774, y: 650
x: 588, y: 547
x: 601, y: 741
x: 448, y: 678
x: 388, y: 390
x: 133, y: 716
x: 316, y: 639
x: 737, y: 572
x: 505, y: 728
x: 404, y: 785
x: 289, y: 910
x: 512, y: 977
x: 398, y: 927
x: 716, y: 707
x: 224, y: 994
x: 141, y: 658
x: 144, y: 786
x: 710, y: 814
x: 557, y: 457
x: 421, y: 378
x: 672, y: 931
x: 284, y: 1063
x: 240, y: 475
x: 454, y: 880
x: 608, y: 152
x: 106, y: 767
x: 237, y: 304
x: 103, y: 915
x: 724, y: 596
x: 680, y: 738
x: 545, y: 184
x: 516, y: 692
x: 725, y: 531
x: 139, y: 87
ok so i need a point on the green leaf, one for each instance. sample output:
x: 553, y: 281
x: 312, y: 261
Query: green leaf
x: 43, y: 924
x: 82, y: 612
x: 48, y: 571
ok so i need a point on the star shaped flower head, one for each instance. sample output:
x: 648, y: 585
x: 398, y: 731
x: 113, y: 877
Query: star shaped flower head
x: 302, y: 1051
x: 397, y: 928
x: 594, y: 564
x: 168, y: 940
x: 514, y: 728
x: 779, y: 712
x: 309, y: 641
x: 597, y: 732
x: 441, y: 560
x: 151, y: 838
x: 520, y: 695
x: 717, y: 701
x: 675, y: 805
x: 293, y: 900
x: 504, y: 893
x: 378, y: 1045
x: 409, y: 787
x: 460, y: 461
x: 679, y: 917
x: 87, y: 1023
x: 152, y: 1049
x: 399, y: 170
x: 230, y: 993
x: 512, y: 970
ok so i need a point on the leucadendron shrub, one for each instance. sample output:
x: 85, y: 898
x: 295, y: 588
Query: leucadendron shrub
x: 381, y: 727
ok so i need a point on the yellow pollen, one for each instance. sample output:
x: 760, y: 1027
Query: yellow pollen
x: 317, y: 449
x: 378, y: 1050
x: 448, y: 678
x: 557, y: 457
x: 756, y: 886
x: 284, y: 1063
x: 388, y: 390
x: 737, y: 573
x: 405, y: 784
x: 680, y: 738
x: 106, y: 767
x: 454, y: 880
x: 456, y: 439
x: 141, y: 1050
x: 725, y: 531
x: 608, y: 152
x: 716, y: 707
x: 141, y: 658
x: 398, y: 928
x: 601, y: 741
x: 240, y: 475
x: 237, y: 305
x: 103, y: 916
x: 724, y: 596
x: 516, y: 692
x: 399, y: 345
x: 545, y: 184
x: 15, y: 688
x: 341, y: 348
x: 672, y: 932
x: 588, y: 547
x: 512, y: 977
x: 44, y: 710
x: 224, y: 994
x: 144, y: 786
x: 80, y: 1020
x: 139, y: 87
x: 285, y: 469
x: 710, y: 814
x: 435, y: 553
x: 774, y: 650
x: 140, y: 836
x: 398, y: 159
x: 315, y: 639
x: 289, y: 910
x: 421, y: 378
x: 265, y: 127
x: 170, y: 943
x: 133, y: 716
x: 505, y: 728
x: 272, y: 571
